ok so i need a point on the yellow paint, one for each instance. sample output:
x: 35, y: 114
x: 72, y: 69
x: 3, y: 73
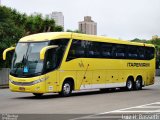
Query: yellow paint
x: 43, y: 51
x: 7, y: 50
x: 45, y: 36
x: 37, y: 88
x: 85, y: 71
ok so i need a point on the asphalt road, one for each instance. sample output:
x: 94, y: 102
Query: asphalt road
x: 83, y: 103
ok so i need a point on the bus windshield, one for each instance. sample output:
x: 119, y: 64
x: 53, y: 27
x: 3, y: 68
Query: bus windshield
x: 26, y: 59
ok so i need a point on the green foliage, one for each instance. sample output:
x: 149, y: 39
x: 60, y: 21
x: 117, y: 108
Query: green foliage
x: 59, y: 28
x: 14, y: 25
x: 138, y: 40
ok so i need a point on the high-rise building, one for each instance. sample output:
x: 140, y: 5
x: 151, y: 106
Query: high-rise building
x: 58, y: 17
x: 154, y: 37
x: 88, y: 26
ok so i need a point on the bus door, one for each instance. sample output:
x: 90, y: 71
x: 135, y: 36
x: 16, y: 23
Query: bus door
x: 50, y: 66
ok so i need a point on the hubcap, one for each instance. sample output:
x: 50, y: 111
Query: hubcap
x: 138, y: 84
x: 129, y: 84
x: 66, y: 88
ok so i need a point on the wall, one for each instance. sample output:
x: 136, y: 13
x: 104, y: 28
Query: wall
x: 4, y: 78
x: 157, y: 72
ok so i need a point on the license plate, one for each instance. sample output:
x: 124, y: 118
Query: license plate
x: 22, y: 88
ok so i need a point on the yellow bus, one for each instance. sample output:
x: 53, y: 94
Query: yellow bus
x: 63, y: 62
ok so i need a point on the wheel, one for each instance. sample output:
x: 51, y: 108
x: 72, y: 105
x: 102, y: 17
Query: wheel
x: 138, y: 84
x: 66, y: 89
x: 129, y: 84
x: 38, y: 94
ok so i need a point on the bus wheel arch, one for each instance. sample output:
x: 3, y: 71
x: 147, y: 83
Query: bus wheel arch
x: 138, y: 83
x: 67, y: 87
x: 130, y: 83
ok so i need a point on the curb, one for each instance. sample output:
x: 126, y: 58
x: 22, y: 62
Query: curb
x: 4, y: 86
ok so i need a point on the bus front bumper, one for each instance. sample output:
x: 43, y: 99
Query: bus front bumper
x: 33, y: 86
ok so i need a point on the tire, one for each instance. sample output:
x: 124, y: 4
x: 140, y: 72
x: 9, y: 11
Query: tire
x: 66, y: 89
x: 129, y: 85
x: 138, y: 84
x: 38, y: 94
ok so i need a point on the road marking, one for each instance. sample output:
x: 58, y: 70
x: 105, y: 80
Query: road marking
x: 140, y: 106
x: 126, y: 110
x: 140, y: 111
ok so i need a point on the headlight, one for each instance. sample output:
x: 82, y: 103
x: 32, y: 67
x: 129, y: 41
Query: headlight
x: 10, y: 80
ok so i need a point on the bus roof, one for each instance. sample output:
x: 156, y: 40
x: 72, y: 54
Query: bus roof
x: 60, y: 35
x: 45, y: 36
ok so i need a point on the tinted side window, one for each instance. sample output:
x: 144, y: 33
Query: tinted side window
x: 51, y: 61
x: 132, y: 52
x: 93, y: 50
x: 62, y: 44
x: 77, y: 50
x: 141, y: 53
x: 149, y: 53
x: 119, y: 51
x: 106, y: 50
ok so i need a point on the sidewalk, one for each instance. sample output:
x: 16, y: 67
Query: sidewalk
x: 4, y: 86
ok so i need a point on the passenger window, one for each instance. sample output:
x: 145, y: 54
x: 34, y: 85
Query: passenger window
x: 149, y: 53
x: 77, y: 50
x: 106, y: 50
x: 132, y: 52
x: 141, y: 53
x: 119, y: 51
x: 94, y: 50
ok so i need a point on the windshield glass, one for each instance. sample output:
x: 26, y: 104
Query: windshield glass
x: 26, y: 59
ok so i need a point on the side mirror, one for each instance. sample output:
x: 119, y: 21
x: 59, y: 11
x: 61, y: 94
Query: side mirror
x: 43, y: 51
x: 7, y: 50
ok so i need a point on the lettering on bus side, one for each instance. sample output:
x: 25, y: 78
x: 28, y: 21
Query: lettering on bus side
x: 138, y: 64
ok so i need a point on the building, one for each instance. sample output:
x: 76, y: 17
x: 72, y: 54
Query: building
x: 88, y: 26
x: 58, y: 17
x: 155, y: 37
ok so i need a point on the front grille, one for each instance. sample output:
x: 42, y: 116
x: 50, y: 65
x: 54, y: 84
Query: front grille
x: 22, y: 83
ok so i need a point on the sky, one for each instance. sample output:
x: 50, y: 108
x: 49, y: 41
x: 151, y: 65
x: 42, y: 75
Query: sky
x: 123, y: 19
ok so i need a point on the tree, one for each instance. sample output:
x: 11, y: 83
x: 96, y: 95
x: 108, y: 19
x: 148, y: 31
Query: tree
x: 139, y: 40
x: 59, y: 28
x: 14, y: 25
